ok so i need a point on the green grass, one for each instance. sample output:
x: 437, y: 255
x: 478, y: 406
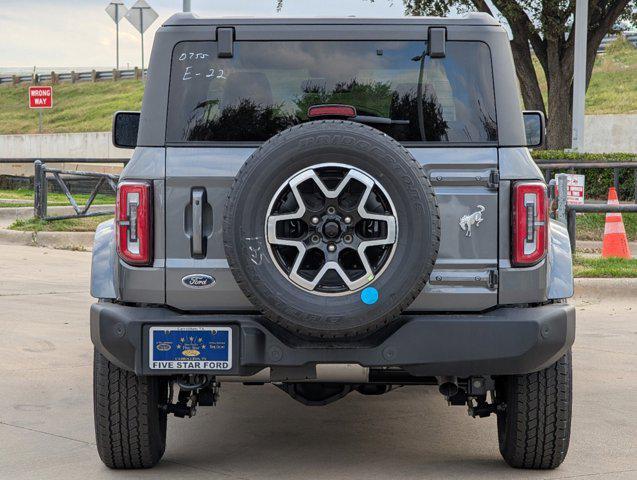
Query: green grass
x: 584, y: 267
x: 79, y: 107
x: 6, y: 204
x: 585, y: 157
x: 53, y: 199
x: 613, y: 86
x: 590, y: 226
x: 88, y: 224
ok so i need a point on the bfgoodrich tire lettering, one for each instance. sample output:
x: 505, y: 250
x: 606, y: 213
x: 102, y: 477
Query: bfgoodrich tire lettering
x: 338, y: 142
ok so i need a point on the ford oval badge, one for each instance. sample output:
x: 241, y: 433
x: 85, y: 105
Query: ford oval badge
x: 198, y: 280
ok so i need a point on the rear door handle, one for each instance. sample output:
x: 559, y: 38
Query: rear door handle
x: 198, y: 200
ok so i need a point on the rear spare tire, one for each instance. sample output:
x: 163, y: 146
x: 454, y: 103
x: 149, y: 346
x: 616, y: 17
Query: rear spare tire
x: 331, y: 229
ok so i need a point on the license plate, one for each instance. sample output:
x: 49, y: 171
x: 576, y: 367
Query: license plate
x: 190, y: 348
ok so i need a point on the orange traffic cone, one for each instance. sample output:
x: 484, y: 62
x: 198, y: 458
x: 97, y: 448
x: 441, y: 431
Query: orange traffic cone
x: 615, y: 241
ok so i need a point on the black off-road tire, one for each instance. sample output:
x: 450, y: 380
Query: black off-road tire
x: 535, y: 428
x: 338, y: 141
x: 130, y: 427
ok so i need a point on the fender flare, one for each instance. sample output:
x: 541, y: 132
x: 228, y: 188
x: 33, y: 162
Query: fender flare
x: 104, y: 262
x: 560, y: 263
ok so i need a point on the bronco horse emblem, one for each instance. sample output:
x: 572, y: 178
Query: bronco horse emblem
x: 467, y: 221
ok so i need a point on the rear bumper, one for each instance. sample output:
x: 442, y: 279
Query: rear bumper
x: 504, y: 341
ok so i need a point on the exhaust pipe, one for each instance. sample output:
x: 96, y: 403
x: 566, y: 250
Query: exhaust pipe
x: 448, y: 386
x: 325, y: 373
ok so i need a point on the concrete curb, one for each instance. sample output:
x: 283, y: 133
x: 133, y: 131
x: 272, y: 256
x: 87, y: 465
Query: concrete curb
x: 596, y: 246
x: 603, y: 288
x: 66, y: 240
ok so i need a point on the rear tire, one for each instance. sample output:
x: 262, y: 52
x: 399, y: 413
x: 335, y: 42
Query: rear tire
x: 130, y: 426
x: 534, y: 429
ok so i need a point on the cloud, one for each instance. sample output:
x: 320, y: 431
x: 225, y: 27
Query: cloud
x: 64, y: 33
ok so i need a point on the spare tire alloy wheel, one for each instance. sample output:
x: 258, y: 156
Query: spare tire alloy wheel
x: 331, y: 233
x: 331, y: 229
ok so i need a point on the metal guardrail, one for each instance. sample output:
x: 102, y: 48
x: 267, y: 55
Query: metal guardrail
x: 573, y: 210
x: 567, y: 214
x: 550, y: 165
x: 608, y: 39
x: 41, y: 188
x: 72, y: 77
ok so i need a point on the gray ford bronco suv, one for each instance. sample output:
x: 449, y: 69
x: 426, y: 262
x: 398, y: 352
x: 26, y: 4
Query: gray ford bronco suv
x: 332, y: 206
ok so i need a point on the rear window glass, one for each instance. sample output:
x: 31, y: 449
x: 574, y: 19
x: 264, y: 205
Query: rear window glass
x: 269, y: 86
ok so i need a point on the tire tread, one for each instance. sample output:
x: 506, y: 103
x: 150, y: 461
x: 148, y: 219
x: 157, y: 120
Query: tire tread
x: 538, y: 417
x: 125, y: 430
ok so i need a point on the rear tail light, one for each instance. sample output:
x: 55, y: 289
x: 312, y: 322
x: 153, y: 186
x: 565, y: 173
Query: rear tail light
x: 134, y: 229
x: 530, y: 223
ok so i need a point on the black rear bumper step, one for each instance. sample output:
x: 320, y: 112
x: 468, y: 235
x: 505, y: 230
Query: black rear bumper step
x: 503, y: 341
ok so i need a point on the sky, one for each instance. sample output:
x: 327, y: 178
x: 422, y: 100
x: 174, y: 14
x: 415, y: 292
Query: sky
x: 68, y: 34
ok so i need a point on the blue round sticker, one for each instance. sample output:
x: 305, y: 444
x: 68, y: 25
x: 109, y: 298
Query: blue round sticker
x: 369, y: 296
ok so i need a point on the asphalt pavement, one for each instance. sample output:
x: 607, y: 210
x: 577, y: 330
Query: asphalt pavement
x: 46, y: 418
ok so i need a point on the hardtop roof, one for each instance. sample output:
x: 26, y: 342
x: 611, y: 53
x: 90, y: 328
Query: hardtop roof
x: 469, y: 19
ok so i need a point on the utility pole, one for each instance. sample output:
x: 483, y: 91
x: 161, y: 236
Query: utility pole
x: 187, y: 6
x: 579, y: 73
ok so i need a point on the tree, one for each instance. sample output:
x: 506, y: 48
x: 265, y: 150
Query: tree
x: 544, y: 28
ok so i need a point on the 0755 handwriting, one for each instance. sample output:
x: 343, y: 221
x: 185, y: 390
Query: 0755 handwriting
x: 193, y: 56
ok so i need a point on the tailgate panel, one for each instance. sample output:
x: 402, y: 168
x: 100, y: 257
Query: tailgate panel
x: 462, y: 279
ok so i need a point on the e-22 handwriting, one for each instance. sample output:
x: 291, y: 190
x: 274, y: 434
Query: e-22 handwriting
x: 214, y: 73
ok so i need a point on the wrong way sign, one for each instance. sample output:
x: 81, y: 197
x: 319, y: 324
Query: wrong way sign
x: 40, y: 97
x: 575, y: 186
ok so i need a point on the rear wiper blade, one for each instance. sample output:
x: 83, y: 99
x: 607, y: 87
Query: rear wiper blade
x: 380, y: 120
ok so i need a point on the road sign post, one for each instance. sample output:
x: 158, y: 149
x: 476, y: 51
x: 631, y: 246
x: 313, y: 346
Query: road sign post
x: 117, y: 11
x: 40, y: 97
x: 141, y: 16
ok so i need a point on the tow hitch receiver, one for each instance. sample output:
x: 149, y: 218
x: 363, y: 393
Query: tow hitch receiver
x: 479, y: 407
x: 193, y: 390
x: 473, y: 392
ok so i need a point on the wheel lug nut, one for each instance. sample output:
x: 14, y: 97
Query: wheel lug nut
x: 347, y: 220
x: 331, y: 247
x: 315, y: 220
